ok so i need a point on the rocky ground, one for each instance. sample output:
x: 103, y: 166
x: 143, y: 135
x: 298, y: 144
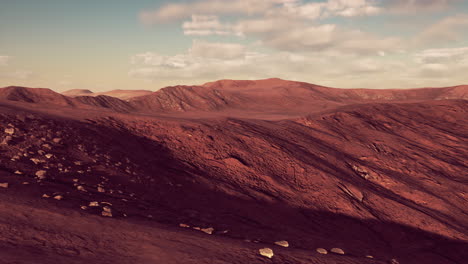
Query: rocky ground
x: 362, y: 183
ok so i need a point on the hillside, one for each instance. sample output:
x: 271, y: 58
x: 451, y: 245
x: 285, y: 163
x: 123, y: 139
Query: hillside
x: 380, y: 179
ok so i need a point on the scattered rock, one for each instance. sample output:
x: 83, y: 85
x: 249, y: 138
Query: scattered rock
x: 36, y: 161
x: 25, y: 183
x: 41, y: 174
x: 266, y: 252
x: 10, y: 131
x: 45, y: 196
x: 18, y: 172
x: 106, y: 214
x: 337, y: 251
x: 282, y: 243
x: 4, y: 185
x: 184, y: 225
x: 101, y: 190
x: 394, y: 261
x: 58, y: 197
x: 6, y: 140
x: 321, y: 251
x: 84, y: 207
x: 81, y: 188
x: 49, y: 156
x: 369, y: 256
x: 56, y: 140
x: 40, y: 152
x: 208, y: 230
x: 93, y: 204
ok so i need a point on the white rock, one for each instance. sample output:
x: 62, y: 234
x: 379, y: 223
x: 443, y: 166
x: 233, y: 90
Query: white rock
x: 369, y: 256
x: 337, y: 251
x: 10, y: 131
x: 322, y: 251
x: 58, y: 197
x: 4, y: 185
x: 208, y: 230
x: 282, y: 243
x: 41, y: 174
x: 18, y: 172
x: 93, y: 204
x: 49, y: 156
x: 266, y: 252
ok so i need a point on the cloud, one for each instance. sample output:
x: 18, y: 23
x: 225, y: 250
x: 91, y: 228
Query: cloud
x: 217, y: 50
x: 417, y: 6
x: 345, y: 8
x: 448, y: 29
x: 4, y: 60
x: 173, y: 12
x: 446, y: 55
x: 206, y: 25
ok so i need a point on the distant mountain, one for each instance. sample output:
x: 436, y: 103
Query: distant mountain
x: 121, y: 94
x: 269, y: 96
x: 278, y: 95
x: 34, y: 95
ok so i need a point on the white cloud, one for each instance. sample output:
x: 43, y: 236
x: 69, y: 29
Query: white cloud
x: 171, y: 12
x: 206, y: 25
x: 4, y: 60
x: 417, y: 6
x: 217, y: 50
x: 346, y: 8
x: 446, y: 55
x: 448, y: 29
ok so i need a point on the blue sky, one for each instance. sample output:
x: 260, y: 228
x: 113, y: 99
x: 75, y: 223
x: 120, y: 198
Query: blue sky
x: 145, y: 44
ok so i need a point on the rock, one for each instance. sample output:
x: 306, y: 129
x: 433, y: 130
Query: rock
x: 47, y: 146
x: 101, y: 190
x: 40, y: 152
x: 45, y: 196
x: 266, y: 252
x: 369, y: 256
x: 394, y: 261
x: 93, y: 204
x: 84, y: 207
x: 41, y: 174
x: 4, y: 185
x: 18, y: 172
x: 337, y: 251
x: 321, y: 251
x: 56, y: 140
x: 80, y: 188
x: 184, y: 225
x: 106, y: 214
x: 36, y: 161
x: 10, y: 131
x: 282, y: 243
x: 208, y: 230
x: 58, y: 197
x: 6, y: 140
x: 25, y: 183
x: 49, y: 156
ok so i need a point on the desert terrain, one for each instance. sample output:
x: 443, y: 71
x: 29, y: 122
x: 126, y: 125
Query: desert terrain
x: 214, y: 173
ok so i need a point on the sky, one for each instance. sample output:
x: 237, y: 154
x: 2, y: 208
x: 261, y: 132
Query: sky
x: 149, y: 44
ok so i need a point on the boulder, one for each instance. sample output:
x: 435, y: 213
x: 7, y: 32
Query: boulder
x: 337, y: 251
x: 321, y: 251
x: 282, y: 243
x: 41, y: 174
x: 266, y: 252
x: 10, y: 131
